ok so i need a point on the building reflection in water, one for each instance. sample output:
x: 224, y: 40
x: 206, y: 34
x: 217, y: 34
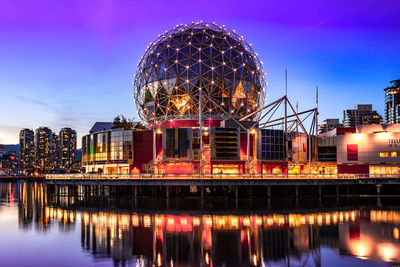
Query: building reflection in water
x: 201, y: 239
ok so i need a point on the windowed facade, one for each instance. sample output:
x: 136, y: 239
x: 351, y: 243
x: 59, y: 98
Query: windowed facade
x: 392, y: 102
x: 272, y: 144
x: 376, y: 171
x: 68, y: 150
x: 108, y: 147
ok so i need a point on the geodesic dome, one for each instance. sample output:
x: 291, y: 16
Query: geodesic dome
x: 194, y: 57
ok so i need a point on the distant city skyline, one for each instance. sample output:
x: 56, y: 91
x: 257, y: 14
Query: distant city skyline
x: 70, y: 64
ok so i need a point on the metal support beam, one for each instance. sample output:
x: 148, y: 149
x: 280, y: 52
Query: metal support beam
x: 201, y: 129
x: 154, y: 146
x: 289, y: 116
x: 301, y: 124
x: 273, y: 108
x: 261, y: 109
x: 248, y: 148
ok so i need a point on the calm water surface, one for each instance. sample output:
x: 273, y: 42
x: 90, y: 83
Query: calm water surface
x: 44, y: 225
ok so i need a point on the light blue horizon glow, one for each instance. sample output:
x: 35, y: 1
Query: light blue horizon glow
x: 72, y: 63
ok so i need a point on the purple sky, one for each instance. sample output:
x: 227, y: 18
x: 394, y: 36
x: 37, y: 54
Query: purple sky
x: 71, y: 63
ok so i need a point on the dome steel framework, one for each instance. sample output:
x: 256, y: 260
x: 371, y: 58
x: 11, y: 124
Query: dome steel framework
x: 194, y: 57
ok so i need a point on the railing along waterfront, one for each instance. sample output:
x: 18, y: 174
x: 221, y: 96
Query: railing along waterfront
x: 91, y: 176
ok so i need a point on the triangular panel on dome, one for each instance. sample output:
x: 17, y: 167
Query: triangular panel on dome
x: 239, y: 92
x: 147, y: 95
x: 153, y: 87
x: 246, y: 85
x: 142, y: 93
x: 252, y: 96
x: 169, y: 84
x: 186, y: 83
x: 150, y: 106
x: 192, y: 83
x: 229, y: 85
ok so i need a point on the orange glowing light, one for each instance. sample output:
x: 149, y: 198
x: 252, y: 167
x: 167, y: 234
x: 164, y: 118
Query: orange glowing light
x: 207, y: 258
x: 254, y: 260
x: 396, y: 233
x: 246, y: 221
x: 135, y: 220
x: 387, y: 251
x: 196, y: 221
x: 358, y: 136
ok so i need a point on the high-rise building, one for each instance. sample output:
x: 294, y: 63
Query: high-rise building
x: 10, y: 160
x: 27, y: 148
x: 361, y: 115
x: 392, y: 102
x: 43, y: 137
x: 329, y: 124
x: 67, y: 148
x: 55, y: 152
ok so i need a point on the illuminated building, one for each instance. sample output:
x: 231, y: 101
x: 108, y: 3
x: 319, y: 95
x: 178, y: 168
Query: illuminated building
x: 67, y: 148
x: 328, y: 125
x: 27, y: 148
x: 369, y: 150
x: 108, y: 151
x: 9, y: 160
x: 43, y: 144
x: 200, y: 90
x: 392, y: 102
x: 361, y: 115
x: 55, y: 151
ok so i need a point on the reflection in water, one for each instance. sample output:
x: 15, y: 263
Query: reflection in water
x: 201, y: 238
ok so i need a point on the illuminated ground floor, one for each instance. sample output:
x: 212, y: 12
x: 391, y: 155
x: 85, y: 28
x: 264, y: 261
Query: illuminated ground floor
x: 269, y: 168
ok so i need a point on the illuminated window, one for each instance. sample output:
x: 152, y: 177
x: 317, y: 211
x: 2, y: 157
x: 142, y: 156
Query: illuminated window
x: 393, y: 154
x: 384, y: 154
